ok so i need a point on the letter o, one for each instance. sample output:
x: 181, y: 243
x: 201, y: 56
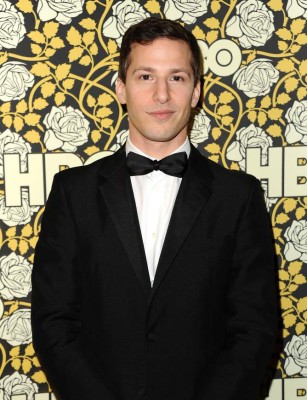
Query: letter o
x: 224, y: 57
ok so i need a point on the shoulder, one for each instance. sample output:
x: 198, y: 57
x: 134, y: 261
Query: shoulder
x: 88, y: 174
x: 225, y: 177
x: 230, y: 189
x: 232, y: 177
x: 233, y: 190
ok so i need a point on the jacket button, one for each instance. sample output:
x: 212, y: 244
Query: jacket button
x: 142, y: 391
x: 152, y: 337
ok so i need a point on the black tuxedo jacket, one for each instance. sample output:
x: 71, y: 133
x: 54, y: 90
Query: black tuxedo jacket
x: 204, y: 331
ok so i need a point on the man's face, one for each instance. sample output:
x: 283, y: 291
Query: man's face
x: 159, y: 91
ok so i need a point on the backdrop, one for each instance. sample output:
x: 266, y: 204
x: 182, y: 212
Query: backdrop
x: 58, y: 109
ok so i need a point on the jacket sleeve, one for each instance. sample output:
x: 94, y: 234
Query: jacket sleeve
x: 56, y: 325
x: 251, y: 309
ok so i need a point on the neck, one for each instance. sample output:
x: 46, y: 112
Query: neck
x: 158, y: 150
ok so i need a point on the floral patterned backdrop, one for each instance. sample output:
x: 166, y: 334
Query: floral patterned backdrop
x: 58, y: 67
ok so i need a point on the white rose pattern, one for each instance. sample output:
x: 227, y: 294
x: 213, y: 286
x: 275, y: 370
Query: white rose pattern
x: 16, y: 328
x: 61, y: 10
x: 125, y: 14
x: 1, y: 310
x: 15, y: 80
x: 296, y: 246
x: 296, y: 130
x: 296, y: 361
x: 17, y: 215
x: 66, y: 129
x: 121, y: 138
x: 17, y: 384
x: 15, y: 276
x: 269, y: 201
x: 251, y: 136
x: 253, y: 25
x: 297, y: 8
x: 257, y: 78
x: 204, y: 53
x: 185, y: 10
x: 12, y: 143
x: 200, y: 127
x: 12, y: 27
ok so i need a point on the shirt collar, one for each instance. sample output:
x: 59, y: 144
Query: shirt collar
x: 186, y: 146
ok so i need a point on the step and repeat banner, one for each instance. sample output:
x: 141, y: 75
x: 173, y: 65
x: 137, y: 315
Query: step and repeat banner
x: 58, y: 109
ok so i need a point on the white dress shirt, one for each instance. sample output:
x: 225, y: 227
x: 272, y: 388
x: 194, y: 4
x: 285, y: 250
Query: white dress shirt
x: 155, y: 195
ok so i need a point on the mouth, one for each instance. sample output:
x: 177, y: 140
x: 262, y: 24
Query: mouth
x: 161, y: 115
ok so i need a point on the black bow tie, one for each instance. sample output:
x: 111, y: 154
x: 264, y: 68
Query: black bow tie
x: 174, y: 165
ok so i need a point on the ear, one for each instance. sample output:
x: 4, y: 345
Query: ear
x: 195, y: 95
x: 120, y: 91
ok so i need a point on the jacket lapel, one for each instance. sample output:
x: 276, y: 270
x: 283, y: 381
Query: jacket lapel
x: 117, y: 192
x: 193, y: 194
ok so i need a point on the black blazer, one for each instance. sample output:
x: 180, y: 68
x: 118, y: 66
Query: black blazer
x: 204, y: 331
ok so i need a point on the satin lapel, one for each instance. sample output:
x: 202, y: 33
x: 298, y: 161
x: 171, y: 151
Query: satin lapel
x: 193, y: 194
x: 117, y: 192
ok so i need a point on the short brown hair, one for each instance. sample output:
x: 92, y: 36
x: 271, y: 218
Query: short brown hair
x: 150, y: 29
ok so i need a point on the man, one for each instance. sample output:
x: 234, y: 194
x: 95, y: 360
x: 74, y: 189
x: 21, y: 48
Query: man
x: 151, y: 285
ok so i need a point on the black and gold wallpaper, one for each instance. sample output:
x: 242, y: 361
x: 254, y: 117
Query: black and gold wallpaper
x: 58, y: 108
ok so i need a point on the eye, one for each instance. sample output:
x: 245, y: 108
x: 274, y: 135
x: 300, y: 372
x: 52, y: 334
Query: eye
x: 145, y: 77
x: 177, y: 78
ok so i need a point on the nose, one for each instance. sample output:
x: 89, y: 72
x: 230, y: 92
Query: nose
x: 161, y: 92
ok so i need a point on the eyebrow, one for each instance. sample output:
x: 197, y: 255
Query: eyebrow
x: 172, y: 70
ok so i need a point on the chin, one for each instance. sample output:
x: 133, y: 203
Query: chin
x: 161, y: 137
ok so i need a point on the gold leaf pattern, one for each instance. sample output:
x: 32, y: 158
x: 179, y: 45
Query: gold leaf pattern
x: 283, y: 275
x: 289, y: 205
x: 14, y: 352
x: 88, y: 23
x: 286, y: 303
x: 105, y: 99
x: 302, y: 304
x: 303, y: 68
x: 25, y: 6
x: 300, y: 328
x: 40, y: 69
x: 276, y: 5
x: 37, y: 37
x: 32, y: 136
x: 212, y: 148
x: 297, y: 26
x: 295, y: 267
x: 299, y: 279
x: 216, y: 133
x: 91, y: 150
x: 215, y: 6
x: 16, y: 364
x: 302, y: 39
x: 18, y: 124
x: 212, y: 23
x: 29, y: 351
x: 290, y: 320
x: 199, y: 33
x: 39, y: 377
x: 284, y: 33
x: 62, y: 71
x: 152, y: 6
x: 74, y: 37
x: 282, y: 218
x: 50, y: 29
x: 26, y: 365
x: 274, y: 130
